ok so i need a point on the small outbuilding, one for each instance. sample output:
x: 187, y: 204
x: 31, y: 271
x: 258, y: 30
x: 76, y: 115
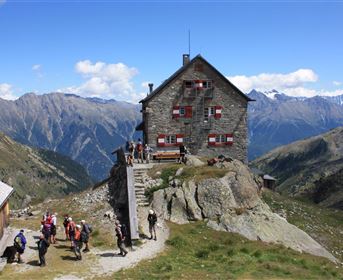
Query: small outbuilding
x: 5, y: 193
x: 269, y: 182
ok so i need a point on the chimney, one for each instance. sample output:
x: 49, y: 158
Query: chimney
x: 151, y: 87
x: 185, y: 59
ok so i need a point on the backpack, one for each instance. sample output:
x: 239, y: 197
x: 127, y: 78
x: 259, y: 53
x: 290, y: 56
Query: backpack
x: 17, y: 242
x: 90, y: 228
x: 124, y: 230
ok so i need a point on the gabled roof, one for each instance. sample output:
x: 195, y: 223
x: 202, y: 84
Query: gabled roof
x: 5, y: 193
x: 184, y: 68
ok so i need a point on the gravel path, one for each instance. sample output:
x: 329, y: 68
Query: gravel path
x: 110, y: 262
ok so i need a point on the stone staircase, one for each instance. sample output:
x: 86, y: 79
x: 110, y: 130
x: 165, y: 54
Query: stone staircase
x: 138, y: 174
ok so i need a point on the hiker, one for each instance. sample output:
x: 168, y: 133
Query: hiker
x: 147, y: 152
x: 129, y: 160
x: 46, y: 216
x: 183, y: 151
x: 78, y: 242
x: 43, y: 245
x: 152, y: 219
x: 139, y: 149
x: 19, y: 244
x: 132, y: 149
x: 53, y: 228
x: 66, y: 224
x: 120, y: 239
x: 46, y: 229
x: 85, y: 233
x: 71, y: 232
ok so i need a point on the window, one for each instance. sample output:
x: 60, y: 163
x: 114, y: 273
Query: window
x: 188, y: 84
x: 170, y: 139
x: 220, y: 138
x: 209, y: 111
x: 207, y: 84
x: 182, y: 111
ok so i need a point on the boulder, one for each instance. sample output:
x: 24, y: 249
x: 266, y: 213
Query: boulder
x: 194, y: 161
x: 232, y: 204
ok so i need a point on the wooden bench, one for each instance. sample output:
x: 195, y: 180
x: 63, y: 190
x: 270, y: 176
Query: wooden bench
x: 166, y: 156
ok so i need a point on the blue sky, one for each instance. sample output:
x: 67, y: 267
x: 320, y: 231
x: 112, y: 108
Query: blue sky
x: 111, y: 49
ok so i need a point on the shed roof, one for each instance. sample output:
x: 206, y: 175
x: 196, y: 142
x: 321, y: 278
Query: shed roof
x: 5, y: 193
x: 182, y: 69
x: 268, y: 177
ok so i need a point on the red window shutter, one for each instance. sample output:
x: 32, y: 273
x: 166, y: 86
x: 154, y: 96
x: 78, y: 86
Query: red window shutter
x: 211, y: 139
x: 176, y: 112
x: 217, y: 112
x: 229, y: 139
x: 161, y: 141
x: 198, y: 84
x: 188, y: 111
x: 179, y: 139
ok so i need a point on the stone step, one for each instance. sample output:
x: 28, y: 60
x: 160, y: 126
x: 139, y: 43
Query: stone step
x: 139, y: 185
x: 144, y: 204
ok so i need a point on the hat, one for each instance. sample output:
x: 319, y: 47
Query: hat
x: 78, y: 226
x: 151, y: 211
x: 83, y: 221
x: 70, y: 219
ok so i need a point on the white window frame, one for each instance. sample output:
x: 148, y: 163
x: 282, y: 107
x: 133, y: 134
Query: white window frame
x: 182, y: 111
x: 170, y: 139
x: 220, y: 138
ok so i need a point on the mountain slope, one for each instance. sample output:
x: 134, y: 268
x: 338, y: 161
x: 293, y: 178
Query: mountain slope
x: 283, y: 119
x: 85, y: 129
x: 312, y: 168
x: 36, y: 174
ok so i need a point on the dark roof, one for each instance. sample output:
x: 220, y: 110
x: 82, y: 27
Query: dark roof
x: 182, y: 69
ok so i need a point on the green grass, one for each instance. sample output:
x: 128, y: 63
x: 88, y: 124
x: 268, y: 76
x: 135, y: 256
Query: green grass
x: 189, y: 172
x: 196, y: 252
x: 325, y: 225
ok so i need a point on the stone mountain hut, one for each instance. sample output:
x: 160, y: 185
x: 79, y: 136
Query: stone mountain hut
x: 199, y: 107
x: 5, y: 193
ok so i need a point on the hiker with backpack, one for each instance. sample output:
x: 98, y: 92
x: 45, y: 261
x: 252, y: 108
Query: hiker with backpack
x: 152, y: 219
x: 43, y: 245
x: 53, y: 228
x: 66, y: 225
x: 120, y: 238
x: 147, y: 152
x: 46, y: 229
x: 85, y: 233
x: 20, y: 244
x: 78, y: 242
x: 139, y: 149
x: 71, y: 232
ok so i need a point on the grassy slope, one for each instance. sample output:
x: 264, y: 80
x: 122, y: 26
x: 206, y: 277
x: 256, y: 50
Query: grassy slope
x: 323, y: 224
x: 196, y: 252
x: 38, y: 173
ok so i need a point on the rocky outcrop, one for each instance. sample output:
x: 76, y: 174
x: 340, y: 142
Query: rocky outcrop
x: 232, y: 203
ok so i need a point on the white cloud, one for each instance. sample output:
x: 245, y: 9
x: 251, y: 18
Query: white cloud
x: 36, y: 67
x: 145, y: 84
x: 6, y: 92
x: 267, y: 81
x: 292, y: 84
x: 337, y: 83
x: 106, y: 81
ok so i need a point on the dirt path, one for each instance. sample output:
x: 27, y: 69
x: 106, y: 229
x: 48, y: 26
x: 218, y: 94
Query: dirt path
x: 109, y: 262
x: 61, y: 264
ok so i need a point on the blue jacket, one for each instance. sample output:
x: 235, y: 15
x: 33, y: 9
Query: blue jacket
x: 21, y: 240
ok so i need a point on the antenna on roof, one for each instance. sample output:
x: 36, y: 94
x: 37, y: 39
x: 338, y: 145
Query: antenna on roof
x: 189, y: 42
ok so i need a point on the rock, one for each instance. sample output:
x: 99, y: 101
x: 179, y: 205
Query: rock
x: 194, y: 161
x: 232, y: 203
x: 179, y: 172
x: 178, y: 213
